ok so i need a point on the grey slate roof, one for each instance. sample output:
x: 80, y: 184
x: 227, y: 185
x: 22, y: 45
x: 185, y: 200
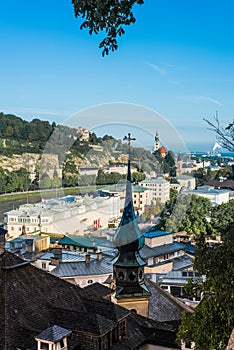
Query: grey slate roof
x: 99, y: 289
x: 54, y: 334
x: 147, y: 252
x: 32, y: 300
x: 163, y: 307
x: 81, y: 268
x: 37, y: 300
x: 182, y: 262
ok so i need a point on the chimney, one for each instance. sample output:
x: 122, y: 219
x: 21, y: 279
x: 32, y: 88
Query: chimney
x: 87, y: 258
x: 57, y: 253
x: 54, y: 260
x: 29, y: 245
x: 99, y: 255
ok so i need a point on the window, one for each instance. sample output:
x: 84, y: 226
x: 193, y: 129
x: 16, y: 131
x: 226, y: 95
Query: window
x: 90, y: 281
x: 141, y: 275
x: 43, y: 265
x: 132, y: 276
x: 62, y: 343
x: 105, y: 342
x: 164, y: 287
x: 122, y: 329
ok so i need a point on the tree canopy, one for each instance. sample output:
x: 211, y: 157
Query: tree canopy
x: 211, y: 323
x: 109, y: 16
x: 195, y: 215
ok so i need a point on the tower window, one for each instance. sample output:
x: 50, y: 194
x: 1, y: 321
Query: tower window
x: 121, y: 275
x: 132, y: 276
x: 140, y: 275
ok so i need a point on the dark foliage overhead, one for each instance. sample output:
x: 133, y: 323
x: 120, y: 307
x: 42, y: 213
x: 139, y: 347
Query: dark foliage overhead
x: 106, y: 15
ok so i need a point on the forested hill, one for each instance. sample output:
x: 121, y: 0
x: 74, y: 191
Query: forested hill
x: 18, y: 135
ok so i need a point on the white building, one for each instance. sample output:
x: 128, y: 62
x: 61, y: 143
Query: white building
x: 159, y: 187
x: 215, y: 196
x: 72, y: 214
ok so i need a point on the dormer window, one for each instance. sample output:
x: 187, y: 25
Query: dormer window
x: 53, y: 338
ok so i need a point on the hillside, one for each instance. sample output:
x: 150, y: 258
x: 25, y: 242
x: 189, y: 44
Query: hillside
x: 38, y: 145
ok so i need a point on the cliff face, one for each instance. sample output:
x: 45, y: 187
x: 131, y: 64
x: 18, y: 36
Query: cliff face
x: 17, y: 161
x: 96, y: 156
x: 48, y: 163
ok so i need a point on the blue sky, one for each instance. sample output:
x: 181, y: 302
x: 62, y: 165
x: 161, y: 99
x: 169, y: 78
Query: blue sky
x: 177, y: 59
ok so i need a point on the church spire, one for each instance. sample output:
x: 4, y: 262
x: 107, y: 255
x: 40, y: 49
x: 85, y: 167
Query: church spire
x: 128, y: 265
x: 156, y: 142
x: 128, y: 234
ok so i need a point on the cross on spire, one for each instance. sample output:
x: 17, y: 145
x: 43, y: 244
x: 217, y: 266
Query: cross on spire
x: 129, y: 139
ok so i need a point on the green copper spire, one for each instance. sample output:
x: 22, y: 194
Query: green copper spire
x: 128, y: 236
x: 128, y: 265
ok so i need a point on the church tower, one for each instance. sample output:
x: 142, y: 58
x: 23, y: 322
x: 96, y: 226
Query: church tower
x: 131, y: 291
x: 156, y: 142
x: 179, y: 165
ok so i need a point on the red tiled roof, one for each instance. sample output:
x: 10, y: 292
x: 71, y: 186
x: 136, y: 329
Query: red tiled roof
x: 163, y: 149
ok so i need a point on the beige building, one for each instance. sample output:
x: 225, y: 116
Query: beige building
x: 84, y: 133
x: 186, y: 182
x: 142, y: 196
x: 159, y: 187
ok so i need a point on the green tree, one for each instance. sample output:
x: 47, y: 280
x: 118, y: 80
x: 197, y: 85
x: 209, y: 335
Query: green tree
x: 12, y: 182
x: 2, y: 180
x: 23, y: 179
x: 138, y: 176
x: 211, y: 323
x: 222, y: 216
x: 9, y: 132
x: 101, y: 178
x: 151, y: 211
x: 56, y: 182
x: 187, y: 213
x: 109, y: 16
x: 70, y: 180
x: 45, y: 181
x: 169, y: 164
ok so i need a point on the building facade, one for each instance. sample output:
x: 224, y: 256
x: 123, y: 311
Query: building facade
x: 159, y: 187
x: 72, y: 214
